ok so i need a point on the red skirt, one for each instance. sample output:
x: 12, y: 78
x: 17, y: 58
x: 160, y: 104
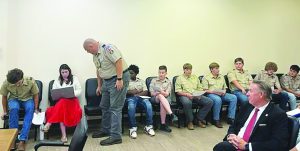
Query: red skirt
x: 67, y: 111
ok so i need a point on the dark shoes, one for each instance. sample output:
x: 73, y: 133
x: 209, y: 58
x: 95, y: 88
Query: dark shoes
x: 110, y: 141
x: 165, y: 128
x: 218, y: 124
x: 230, y: 121
x: 99, y: 134
x: 174, y: 118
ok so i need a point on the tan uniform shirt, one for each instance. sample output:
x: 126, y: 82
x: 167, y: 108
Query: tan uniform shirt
x: 188, y: 84
x: 271, y: 80
x: 105, y: 60
x: 290, y: 82
x: 209, y: 82
x: 164, y: 85
x: 23, y: 92
x: 137, y: 84
x: 242, y: 77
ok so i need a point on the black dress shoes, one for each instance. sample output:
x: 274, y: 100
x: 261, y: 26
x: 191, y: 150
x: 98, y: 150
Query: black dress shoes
x: 99, y: 134
x: 110, y: 141
x: 230, y: 121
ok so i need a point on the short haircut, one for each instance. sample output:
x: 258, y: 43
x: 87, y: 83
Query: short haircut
x: 88, y: 41
x: 239, y: 60
x: 163, y: 67
x: 265, y: 88
x: 187, y: 66
x: 134, y: 68
x: 14, y: 75
x: 271, y: 66
x: 295, y: 68
x: 213, y: 65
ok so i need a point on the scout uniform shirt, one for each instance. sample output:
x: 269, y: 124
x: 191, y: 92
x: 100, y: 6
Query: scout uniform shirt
x: 164, y: 85
x: 105, y: 60
x: 210, y: 82
x: 188, y: 84
x: 290, y: 82
x: 271, y: 80
x: 23, y: 92
x: 242, y: 77
x: 137, y: 84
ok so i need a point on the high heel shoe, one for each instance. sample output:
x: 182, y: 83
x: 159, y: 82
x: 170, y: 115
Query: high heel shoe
x: 64, y: 139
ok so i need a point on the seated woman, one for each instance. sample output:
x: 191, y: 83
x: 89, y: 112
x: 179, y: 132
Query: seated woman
x: 160, y: 89
x: 66, y: 111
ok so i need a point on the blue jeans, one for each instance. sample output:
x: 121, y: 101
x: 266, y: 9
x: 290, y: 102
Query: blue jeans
x: 292, y: 101
x: 135, y: 101
x: 218, y: 105
x: 14, y: 107
x: 241, y: 97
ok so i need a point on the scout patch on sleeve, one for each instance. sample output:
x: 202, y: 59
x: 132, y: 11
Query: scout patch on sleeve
x: 109, y: 49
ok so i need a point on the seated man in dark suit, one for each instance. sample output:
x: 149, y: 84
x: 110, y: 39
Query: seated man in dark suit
x: 260, y: 126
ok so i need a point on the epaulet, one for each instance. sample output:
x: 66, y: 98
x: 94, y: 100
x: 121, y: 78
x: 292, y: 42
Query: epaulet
x: 108, y: 48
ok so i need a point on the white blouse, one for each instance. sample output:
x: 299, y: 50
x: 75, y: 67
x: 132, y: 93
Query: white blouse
x: 75, y: 85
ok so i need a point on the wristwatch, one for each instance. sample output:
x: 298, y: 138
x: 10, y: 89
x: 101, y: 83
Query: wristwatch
x: 119, y: 79
x: 247, y: 146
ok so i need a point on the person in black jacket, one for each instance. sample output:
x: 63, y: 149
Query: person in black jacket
x: 260, y: 125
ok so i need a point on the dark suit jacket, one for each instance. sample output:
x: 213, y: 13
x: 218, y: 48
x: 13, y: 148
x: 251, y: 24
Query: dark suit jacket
x: 270, y: 132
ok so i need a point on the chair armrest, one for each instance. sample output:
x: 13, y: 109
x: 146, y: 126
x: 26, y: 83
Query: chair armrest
x: 50, y: 143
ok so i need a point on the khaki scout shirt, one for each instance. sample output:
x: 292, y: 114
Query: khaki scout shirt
x: 105, y: 60
x: 242, y: 77
x: 188, y: 84
x: 290, y: 82
x: 209, y: 82
x: 271, y: 80
x: 23, y: 92
x: 137, y: 84
x: 164, y: 85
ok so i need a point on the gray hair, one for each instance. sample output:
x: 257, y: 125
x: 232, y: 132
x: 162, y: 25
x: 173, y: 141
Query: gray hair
x: 88, y: 41
x: 265, y: 88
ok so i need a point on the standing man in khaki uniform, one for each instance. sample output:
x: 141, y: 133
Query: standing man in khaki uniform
x: 19, y: 91
x: 113, y: 80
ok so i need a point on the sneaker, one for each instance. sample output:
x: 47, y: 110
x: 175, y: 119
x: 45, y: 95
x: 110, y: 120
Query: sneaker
x: 149, y: 130
x: 165, y: 128
x: 174, y: 118
x: 110, y: 141
x: 132, y: 132
x: 190, y: 126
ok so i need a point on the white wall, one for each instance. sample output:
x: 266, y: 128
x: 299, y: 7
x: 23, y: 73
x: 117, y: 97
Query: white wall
x: 43, y: 34
x: 3, y: 44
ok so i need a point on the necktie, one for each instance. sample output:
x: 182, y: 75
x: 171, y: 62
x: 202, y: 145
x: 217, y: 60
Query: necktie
x: 250, y: 126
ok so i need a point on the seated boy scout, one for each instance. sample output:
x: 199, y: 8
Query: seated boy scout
x: 18, y: 91
x: 291, y: 84
x: 268, y: 75
x: 185, y: 85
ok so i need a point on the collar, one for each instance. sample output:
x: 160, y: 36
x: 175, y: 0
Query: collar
x: 266, y: 73
x: 262, y: 108
x: 242, y: 71
x: 213, y: 77
x: 164, y: 80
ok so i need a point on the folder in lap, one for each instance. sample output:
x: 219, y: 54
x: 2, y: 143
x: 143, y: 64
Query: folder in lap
x: 67, y: 92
